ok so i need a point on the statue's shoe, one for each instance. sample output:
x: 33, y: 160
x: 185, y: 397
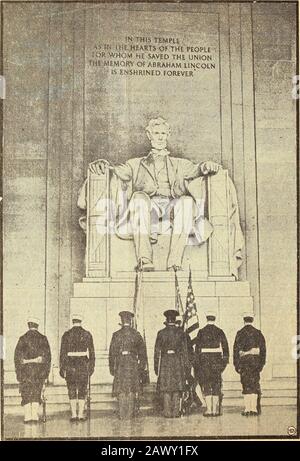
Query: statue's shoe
x: 148, y: 267
x: 145, y: 266
x: 153, y: 238
x: 174, y: 268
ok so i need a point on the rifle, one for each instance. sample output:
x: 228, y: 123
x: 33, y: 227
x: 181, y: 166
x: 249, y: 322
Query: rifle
x: 145, y: 373
x: 44, y: 402
x: 88, y: 400
x: 220, y: 403
x: 259, y: 402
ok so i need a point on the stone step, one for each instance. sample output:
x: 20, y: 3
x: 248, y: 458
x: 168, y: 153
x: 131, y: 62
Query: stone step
x: 273, y: 393
x: 120, y: 288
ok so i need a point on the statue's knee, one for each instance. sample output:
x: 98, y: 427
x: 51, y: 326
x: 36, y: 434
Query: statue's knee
x: 140, y: 201
x: 140, y: 195
x: 185, y: 201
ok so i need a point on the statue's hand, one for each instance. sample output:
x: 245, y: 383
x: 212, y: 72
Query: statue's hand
x: 99, y: 166
x: 210, y: 167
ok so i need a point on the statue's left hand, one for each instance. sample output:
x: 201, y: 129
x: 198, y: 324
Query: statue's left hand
x: 210, y: 167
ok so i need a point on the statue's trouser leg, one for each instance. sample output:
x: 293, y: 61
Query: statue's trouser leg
x: 182, y: 226
x: 140, y: 209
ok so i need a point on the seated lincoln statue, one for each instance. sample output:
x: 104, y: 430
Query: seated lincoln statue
x: 163, y: 194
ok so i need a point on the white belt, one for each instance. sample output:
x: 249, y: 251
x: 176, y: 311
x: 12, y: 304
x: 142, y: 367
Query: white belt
x: 253, y: 351
x: 77, y: 354
x: 125, y: 352
x: 211, y: 349
x: 170, y: 351
x: 36, y: 360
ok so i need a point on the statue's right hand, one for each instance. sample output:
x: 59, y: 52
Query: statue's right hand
x: 99, y: 166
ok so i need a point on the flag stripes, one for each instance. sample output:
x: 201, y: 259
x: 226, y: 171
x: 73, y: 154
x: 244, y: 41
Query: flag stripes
x: 190, y: 319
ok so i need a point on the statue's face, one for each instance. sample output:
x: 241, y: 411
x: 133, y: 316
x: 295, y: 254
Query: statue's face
x: 158, y: 136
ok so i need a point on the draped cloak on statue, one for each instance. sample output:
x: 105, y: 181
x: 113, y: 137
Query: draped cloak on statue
x: 138, y: 174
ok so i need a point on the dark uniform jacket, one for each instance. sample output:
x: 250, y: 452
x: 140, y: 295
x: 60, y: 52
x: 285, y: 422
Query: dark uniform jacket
x: 246, y: 339
x: 127, y: 360
x: 31, y: 346
x: 171, y: 359
x: 77, y: 339
x: 211, y: 337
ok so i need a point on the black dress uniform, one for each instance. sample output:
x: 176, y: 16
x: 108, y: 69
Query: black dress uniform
x: 249, y: 358
x: 32, y: 365
x: 171, y: 365
x: 127, y: 363
x: 212, y: 356
x: 77, y: 363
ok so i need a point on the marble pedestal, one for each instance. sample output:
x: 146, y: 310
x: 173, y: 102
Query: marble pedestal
x: 101, y: 301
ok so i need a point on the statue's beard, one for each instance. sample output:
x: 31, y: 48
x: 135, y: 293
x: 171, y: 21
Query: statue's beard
x: 159, y: 145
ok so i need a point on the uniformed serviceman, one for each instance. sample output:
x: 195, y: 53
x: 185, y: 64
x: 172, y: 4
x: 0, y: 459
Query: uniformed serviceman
x: 171, y: 365
x: 249, y: 358
x: 32, y: 364
x: 77, y: 363
x: 212, y: 356
x: 127, y: 363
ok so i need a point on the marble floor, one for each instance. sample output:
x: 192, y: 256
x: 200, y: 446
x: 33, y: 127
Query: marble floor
x: 274, y: 421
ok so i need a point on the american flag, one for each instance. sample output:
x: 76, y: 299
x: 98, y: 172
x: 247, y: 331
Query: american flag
x: 190, y: 319
x: 178, y: 300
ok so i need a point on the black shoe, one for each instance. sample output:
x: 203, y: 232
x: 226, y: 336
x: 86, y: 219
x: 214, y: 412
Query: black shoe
x: 253, y: 413
x: 73, y: 419
x: 245, y: 413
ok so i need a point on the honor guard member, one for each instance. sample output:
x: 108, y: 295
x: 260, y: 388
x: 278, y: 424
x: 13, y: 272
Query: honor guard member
x: 32, y: 364
x: 212, y: 356
x: 77, y: 363
x: 127, y: 362
x: 249, y: 358
x: 171, y: 365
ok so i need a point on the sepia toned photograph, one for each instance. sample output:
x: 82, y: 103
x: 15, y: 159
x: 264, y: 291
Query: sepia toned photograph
x: 149, y: 204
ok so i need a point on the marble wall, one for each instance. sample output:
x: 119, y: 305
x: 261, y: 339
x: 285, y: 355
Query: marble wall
x: 51, y: 136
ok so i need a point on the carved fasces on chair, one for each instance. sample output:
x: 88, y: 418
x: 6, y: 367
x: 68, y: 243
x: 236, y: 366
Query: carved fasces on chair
x: 219, y: 258
x: 98, y: 209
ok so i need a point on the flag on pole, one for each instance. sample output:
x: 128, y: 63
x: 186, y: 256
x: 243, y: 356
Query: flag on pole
x: 138, y: 299
x: 178, y: 300
x: 191, y: 327
x: 138, y: 320
x: 191, y: 320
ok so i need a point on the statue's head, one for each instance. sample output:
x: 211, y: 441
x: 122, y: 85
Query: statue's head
x: 158, y: 131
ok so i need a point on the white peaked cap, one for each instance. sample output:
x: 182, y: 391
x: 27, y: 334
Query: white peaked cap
x: 33, y: 320
x: 77, y: 317
x: 248, y: 314
x: 211, y: 313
